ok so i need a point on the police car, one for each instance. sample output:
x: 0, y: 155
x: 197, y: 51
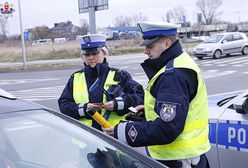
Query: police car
x: 228, y: 126
x: 32, y: 136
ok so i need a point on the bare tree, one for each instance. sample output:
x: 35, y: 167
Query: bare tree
x: 175, y: 14
x: 209, y: 9
x: 84, y: 27
x: 122, y: 21
x: 40, y: 32
x: 3, y: 26
x: 166, y: 18
x: 138, y: 18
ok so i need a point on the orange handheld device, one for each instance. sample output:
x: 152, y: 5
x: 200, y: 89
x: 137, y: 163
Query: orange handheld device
x: 98, y: 118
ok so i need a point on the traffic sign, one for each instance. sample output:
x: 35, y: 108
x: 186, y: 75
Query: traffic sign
x: 26, y: 35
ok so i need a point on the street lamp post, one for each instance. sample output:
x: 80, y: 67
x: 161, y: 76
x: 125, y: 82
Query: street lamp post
x: 22, y: 37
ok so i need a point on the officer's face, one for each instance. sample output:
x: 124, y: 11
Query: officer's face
x: 155, y: 49
x: 93, y: 59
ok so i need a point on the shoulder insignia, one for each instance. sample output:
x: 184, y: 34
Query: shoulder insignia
x: 132, y: 133
x: 168, y: 112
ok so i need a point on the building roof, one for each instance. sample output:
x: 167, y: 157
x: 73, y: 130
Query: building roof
x: 123, y: 28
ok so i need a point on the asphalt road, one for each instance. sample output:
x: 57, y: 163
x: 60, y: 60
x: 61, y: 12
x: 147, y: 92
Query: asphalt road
x: 228, y: 74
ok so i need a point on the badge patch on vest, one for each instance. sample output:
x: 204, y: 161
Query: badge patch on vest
x: 168, y: 112
x: 132, y: 133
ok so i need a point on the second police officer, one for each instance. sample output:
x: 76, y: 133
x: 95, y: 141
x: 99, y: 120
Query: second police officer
x: 176, y: 105
x: 76, y: 97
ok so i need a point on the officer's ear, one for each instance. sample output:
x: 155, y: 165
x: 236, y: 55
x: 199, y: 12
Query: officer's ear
x: 105, y: 51
x: 166, y: 43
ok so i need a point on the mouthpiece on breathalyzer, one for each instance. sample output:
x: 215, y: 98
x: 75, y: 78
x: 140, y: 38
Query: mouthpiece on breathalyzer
x: 98, y: 118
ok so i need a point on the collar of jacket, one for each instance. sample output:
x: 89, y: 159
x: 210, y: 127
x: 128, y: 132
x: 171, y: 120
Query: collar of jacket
x: 151, y: 67
x: 98, y: 70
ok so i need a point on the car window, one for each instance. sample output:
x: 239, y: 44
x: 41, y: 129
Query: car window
x: 228, y: 38
x: 44, y: 140
x: 43, y: 41
x: 214, y: 39
x: 237, y: 37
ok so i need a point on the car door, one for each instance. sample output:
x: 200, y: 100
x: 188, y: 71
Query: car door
x: 227, y: 44
x: 232, y: 135
x: 214, y: 114
x: 238, y: 42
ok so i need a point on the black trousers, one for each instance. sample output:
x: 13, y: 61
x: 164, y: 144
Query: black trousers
x: 203, y: 163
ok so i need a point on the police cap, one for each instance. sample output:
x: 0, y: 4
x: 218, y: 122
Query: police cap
x: 152, y: 32
x: 93, y: 43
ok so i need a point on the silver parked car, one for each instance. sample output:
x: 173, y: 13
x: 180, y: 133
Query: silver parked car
x: 228, y: 130
x: 222, y: 44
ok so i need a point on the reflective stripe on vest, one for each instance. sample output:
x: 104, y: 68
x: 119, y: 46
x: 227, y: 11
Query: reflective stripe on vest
x: 193, y: 141
x: 80, y: 95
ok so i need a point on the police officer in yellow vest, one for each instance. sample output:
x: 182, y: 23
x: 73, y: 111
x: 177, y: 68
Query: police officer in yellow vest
x: 176, y: 108
x: 76, y: 97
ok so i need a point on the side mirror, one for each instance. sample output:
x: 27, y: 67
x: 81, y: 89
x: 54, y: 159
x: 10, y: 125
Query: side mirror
x: 224, y: 41
x: 241, y: 106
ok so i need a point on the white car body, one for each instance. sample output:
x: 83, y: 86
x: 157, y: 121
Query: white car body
x: 222, y: 44
x: 228, y: 130
x: 42, y: 42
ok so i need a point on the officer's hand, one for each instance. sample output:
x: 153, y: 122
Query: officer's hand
x: 109, y: 131
x: 140, y: 109
x: 96, y: 106
x: 109, y: 105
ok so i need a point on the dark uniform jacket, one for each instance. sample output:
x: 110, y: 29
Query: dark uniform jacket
x: 179, y: 87
x: 132, y: 95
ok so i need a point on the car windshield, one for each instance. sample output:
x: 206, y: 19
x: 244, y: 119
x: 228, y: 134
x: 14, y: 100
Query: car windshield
x: 38, y: 139
x: 214, y: 39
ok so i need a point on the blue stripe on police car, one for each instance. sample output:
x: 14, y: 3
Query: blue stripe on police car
x: 231, y: 134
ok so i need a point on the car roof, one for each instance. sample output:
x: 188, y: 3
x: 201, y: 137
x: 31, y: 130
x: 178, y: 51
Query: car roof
x: 13, y: 105
x: 9, y: 103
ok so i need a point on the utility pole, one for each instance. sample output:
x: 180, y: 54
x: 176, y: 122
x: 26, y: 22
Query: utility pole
x: 91, y: 6
x: 185, y: 28
x: 92, y: 20
x: 22, y: 37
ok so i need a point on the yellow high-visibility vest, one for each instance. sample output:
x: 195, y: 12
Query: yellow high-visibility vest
x: 80, y: 95
x: 193, y: 141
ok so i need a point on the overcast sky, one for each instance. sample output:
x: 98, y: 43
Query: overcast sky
x: 48, y: 12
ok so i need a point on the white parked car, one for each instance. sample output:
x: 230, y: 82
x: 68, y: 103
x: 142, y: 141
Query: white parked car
x: 60, y: 40
x: 42, y: 42
x: 222, y: 44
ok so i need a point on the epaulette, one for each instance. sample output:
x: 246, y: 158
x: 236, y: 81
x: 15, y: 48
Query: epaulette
x: 118, y: 74
x: 82, y: 70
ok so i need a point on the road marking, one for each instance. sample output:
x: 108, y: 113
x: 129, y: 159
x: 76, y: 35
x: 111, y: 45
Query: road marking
x: 238, y: 65
x: 221, y: 65
x: 238, y: 62
x: 212, y: 70
x: 223, y: 62
x: 37, y: 94
x: 21, y: 81
x: 205, y: 64
x: 217, y: 74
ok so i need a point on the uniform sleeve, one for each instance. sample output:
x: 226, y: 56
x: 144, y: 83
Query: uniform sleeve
x: 171, y: 91
x: 67, y: 105
x: 133, y: 94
